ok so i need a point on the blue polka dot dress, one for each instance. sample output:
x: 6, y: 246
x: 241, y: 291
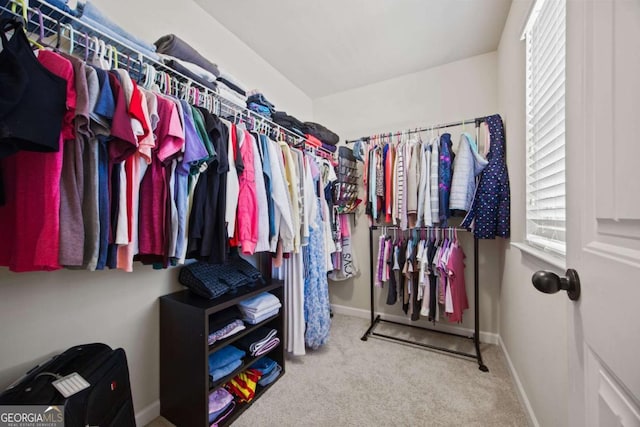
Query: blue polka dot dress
x: 491, y: 208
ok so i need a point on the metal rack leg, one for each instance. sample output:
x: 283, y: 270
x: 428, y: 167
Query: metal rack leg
x: 476, y: 303
x: 373, y: 322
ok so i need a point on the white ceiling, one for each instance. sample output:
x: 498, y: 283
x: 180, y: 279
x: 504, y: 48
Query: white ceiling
x: 328, y: 46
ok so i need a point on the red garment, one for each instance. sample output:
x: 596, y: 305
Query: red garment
x: 154, y: 191
x: 313, y: 141
x: 455, y: 268
x: 30, y: 219
x: 123, y: 142
x: 247, y: 222
x: 136, y: 111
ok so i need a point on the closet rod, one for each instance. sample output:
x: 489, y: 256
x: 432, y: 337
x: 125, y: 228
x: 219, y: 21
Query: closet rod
x: 33, y: 14
x: 475, y: 121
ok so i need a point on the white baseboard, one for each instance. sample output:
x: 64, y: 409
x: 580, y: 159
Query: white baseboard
x: 522, y: 395
x: 148, y: 414
x: 485, y: 337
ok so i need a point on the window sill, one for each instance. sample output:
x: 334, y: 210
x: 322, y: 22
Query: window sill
x: 541, y: 255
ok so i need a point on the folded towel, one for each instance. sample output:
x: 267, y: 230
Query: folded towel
x: 265, y: 316
x: 331, y: 148
x: 223, y: 371
x: 219, y: 399
x: 224, y: 356
x: 232, y: 96
x: 258, y: 302
x: 249, y: 312
x: 202, y: 77
x: 270, y: 377
x: 313, y: 141
x: 234, y: 331
x: 232, y: 86
x: 178, y: 48
x: 231, y: 329
x: 257, y: 339
x: 264, y: 365
x: 267, y: 347
x: 222, y: 318
x: 223, y: 414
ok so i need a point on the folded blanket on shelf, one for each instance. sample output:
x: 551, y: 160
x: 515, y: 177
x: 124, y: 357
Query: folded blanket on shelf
x: 222, y: 318
x: 232, y: 96
x: 313, y: 141
x: 222, y: 415
x: 243, y: 385
x: 178, y: 48
x: 330, y: 148
x: 231, y: 329
x: 192, y: 71
x: 219, y: 400
x: 223, y: 371
x: 224, y: 356
x: 255, y: 319
x: 232, y: 86
x: 260, y: 109
x: 288, y: 122
x: 92, y: 16
x: 268, y: 346
x: 264, y: 365
x: 256, y: 340
x: 320, y: 132
x: 270, y: 377
x: 259, y: 98
x: 262, y: 301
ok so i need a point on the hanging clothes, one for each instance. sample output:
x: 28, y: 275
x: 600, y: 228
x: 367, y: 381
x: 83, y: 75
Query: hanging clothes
x: 316, y: 289
x: 468, y: 164
x: 445, y: 174
x: 490, y: 210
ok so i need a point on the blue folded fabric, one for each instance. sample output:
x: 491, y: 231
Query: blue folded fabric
x: 264, y: 365
x: 94, y: 17
x: 225, y: 370
x: 224, y: 356
x: 254, y: 320
x: 266, y: 380
x: 259, y: 302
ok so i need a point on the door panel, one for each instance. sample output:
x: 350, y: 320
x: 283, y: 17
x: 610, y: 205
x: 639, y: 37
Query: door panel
x: 613, y: 406
x: 603, y: 210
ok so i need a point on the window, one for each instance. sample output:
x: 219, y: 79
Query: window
x: 545, y: 166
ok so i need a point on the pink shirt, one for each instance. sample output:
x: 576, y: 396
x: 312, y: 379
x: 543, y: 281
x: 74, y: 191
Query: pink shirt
x: 247, y: 213
x: 154, y: 191
x: 455, y: 268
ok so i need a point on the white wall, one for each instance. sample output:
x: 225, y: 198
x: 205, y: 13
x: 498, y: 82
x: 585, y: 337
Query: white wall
x: 44, y: 313
x: 459, y: 90
x: 532, y: 325
x: 151, y: 19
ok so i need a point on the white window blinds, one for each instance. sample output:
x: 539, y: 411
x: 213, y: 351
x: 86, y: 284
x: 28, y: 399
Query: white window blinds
x: 545, y: 56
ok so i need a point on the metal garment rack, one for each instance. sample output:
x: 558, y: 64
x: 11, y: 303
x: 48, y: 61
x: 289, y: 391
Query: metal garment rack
x: 47, y: 19
x: 377, y: 319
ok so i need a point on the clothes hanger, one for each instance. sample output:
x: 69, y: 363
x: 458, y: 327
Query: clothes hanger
x: 71, y: 36
x: 39, y: 42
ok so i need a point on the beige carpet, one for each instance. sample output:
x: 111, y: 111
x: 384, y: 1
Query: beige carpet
x: 350, y: 382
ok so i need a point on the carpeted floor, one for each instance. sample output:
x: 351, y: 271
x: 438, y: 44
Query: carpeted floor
x: 350, y: 382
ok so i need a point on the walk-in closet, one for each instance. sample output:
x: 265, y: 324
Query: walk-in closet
x: 382, y: 213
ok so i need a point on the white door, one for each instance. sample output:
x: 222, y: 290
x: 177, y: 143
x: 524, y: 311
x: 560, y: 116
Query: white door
x: 603, y: 215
